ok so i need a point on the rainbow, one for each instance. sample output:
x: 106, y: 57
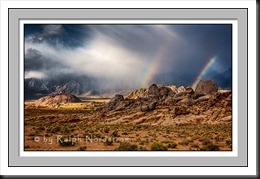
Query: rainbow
x: 151, y: 70
x: 204, y: 71
x: 160, y: 55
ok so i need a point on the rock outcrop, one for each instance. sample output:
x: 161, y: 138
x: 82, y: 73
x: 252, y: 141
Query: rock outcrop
x: 172, y: 105
x: 114, y: 101
x: 153, y: 90
x: 148, y: 107
x: 204, y: 87
x: 140, y: 93
x: 57, y: 99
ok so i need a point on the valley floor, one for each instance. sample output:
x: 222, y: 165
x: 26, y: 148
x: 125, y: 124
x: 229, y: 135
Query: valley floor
x: 86, y: 126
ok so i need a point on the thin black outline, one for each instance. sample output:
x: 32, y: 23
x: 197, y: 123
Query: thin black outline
x: 8, y: 87
x: 231, y: 38
x: 247, y: 84
x: 257, y: 84
x: 122, y: 19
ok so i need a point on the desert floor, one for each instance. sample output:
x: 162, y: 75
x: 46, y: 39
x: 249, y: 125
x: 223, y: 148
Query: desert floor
x: 83, y: 126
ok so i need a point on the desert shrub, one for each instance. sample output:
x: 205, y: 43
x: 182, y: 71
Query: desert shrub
x: 115, y: 133
x: 153, y: 135
x: 180, y: 135
x: 157, y: 146
x: 124, y: 133
x: 82, y: 148
x: 206, y: 142
x: 210, y: 147
x: 138, y: 139
x: 142, y: 148
x: 184, y: 142
x: 195, y: 145
x: 126, y: 146
x: 219, y: 138
x: 53, y: 128
x: 65, y: 130
x: 108, y: 142
x: 73, y: 127
x: 48, y: 129
x: 168, y: 131
x: 172, y: 145
x: 138, y: 126
x: 40, y: 128
x: 32, y: 134
x: 141, y: 142
x: 228, y: 142
x: 194, y: 138
x: 98, y: 135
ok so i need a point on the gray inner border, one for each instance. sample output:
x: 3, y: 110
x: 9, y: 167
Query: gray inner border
x: 122, y: 14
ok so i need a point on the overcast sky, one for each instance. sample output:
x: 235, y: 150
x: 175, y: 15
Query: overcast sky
x: 134, y: 55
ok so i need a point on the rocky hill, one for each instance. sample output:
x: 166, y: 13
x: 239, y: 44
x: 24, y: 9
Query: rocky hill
x: 56, y: 99
x: 168, y: 105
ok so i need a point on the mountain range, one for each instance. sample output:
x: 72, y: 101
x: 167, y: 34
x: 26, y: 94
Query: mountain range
x: 85, y: 86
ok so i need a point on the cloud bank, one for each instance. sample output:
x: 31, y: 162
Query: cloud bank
x: 126, y: 56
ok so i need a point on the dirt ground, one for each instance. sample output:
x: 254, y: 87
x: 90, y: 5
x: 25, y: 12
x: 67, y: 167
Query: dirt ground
x: 83, y: 126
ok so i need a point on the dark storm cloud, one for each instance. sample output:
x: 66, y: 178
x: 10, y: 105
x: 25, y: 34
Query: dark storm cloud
x: 204, y: 41
x: 41, y: 33
x: 34, y: 60
x: 37, y: 65
x: 127, y: 54
x: 186, y: 43
x: 57, y: 35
